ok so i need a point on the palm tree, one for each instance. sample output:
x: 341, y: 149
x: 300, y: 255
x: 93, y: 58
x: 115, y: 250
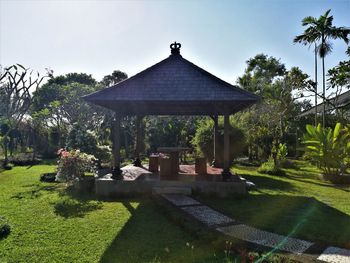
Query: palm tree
x: 321, y: 31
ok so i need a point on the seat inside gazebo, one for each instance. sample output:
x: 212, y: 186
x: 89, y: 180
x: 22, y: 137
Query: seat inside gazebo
x: 174, y: 86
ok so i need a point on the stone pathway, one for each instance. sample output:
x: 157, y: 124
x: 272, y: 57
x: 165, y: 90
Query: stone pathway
x: 335, y: 255
x: 232, y: 228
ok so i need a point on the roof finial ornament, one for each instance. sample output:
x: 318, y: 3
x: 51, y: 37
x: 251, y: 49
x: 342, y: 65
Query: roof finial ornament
x: 175, y: 48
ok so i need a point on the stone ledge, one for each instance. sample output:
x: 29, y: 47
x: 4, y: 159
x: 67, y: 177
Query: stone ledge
x: 108, y: 187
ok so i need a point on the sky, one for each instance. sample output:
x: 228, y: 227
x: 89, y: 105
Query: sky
x: 97, y: 37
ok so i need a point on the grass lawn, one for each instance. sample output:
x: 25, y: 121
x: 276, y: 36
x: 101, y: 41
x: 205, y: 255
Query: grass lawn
x: 297, y: 204
x: 51, y: 225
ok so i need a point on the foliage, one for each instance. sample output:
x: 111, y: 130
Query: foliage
x: 329, y: 148
x: 5, y: 228
x: 203, y: 141
x: 74, y: 164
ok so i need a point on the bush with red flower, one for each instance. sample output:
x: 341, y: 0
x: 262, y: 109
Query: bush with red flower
x: 74, y: 164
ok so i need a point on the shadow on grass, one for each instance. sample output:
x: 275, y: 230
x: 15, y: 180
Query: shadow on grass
x: 149, y: 237
x: 315, y: 181
x: 75, y: 204
x: 297, y: 216
x: 36, y: 191
x: 70, y: 208
x: 265, y: 182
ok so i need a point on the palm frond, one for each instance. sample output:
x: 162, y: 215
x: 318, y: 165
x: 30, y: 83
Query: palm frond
x: 323, y: 49
x: 309, y: 20
x: 339, y: 33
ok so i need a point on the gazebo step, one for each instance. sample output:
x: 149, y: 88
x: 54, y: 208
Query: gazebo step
x: 172, y: 190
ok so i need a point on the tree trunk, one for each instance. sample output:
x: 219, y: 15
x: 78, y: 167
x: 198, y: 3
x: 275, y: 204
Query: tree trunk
x: 315, y: 85
x: 324, y: 95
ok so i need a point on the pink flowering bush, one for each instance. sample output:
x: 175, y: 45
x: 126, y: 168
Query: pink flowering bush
x: 74, y: 164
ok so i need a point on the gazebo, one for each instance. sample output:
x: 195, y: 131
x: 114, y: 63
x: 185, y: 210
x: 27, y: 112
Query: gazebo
x: 174, y: 86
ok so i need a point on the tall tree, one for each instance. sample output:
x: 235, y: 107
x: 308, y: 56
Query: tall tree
x: 58, y: 102
x: 268, y: 122
x: 114, y: 78
x: 16, y: 84
x: 321, y: 30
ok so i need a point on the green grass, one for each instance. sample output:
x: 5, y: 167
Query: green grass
x: 50, y: 224
x: 297, y: 204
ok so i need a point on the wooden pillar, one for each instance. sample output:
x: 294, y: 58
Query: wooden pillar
x: 226, y: 174
x: 215, y: 140
x: 138, y: 144
x: 226, y: 141
x: 116, y: 171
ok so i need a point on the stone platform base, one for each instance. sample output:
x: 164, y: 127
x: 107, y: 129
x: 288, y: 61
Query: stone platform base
x: 139, y: 180
x: 108, y: 187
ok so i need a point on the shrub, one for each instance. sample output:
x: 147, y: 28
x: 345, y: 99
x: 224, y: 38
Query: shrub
x: 271, y: 168
x: 48, y: 177
x: 5, y: 228
x: 73, y: 165
x: 328, y: 148
x: 203, y: 141
x: 81, y: 138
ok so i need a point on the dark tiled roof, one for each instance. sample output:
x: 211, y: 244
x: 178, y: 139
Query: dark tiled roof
x: 339, y: 102
x: 173, y: 86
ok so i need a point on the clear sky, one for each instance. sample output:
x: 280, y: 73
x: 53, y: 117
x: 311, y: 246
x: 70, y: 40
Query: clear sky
x: 97, y: 37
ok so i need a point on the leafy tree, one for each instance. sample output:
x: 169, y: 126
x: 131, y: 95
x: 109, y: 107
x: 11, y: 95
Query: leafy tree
x: 114, y: 78
x: 321, y: 30
x: 268, y: 122
x: 16, y: 83
x: 58, y: 103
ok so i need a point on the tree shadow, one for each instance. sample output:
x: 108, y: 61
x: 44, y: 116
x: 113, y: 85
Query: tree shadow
x: 301, y: 178
x: 295, y: 216
x: 71, y: 208
x: 36, y: 191
x: 148, y: 236
x: 264, y: 182
x: 73, y: 203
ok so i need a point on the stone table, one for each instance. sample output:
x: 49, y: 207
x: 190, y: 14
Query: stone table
x: 174, y: 156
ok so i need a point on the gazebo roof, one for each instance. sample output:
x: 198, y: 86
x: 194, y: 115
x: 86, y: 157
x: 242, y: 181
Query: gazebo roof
x: 174, y: 86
